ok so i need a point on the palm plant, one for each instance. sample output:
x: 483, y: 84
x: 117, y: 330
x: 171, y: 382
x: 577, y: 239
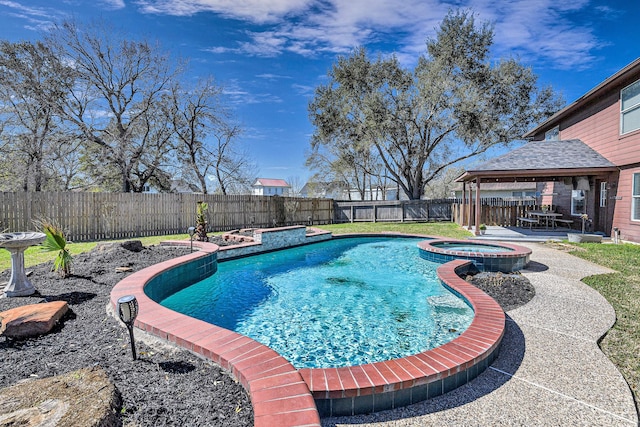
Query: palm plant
x: 56, y: 241
x: 201, y: 221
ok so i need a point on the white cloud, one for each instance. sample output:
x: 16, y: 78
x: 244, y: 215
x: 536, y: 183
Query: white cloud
x: 237, y: 95
x: 306, y: 90
x: 270, y: 76
x: 257, y: 11
x: 113, y: 4
x: 536, y: 30
x: 541, y: 30
x: 220, y: 49
x: 35, y: 18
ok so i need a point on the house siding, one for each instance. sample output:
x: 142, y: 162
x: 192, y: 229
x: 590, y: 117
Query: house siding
x: 597, y: 124
x: 629, y: 229
x: 599, y: 128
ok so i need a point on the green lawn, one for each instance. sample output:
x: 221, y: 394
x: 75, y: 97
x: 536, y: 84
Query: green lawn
x: 35, y: 255
x: 444, y: 229
x: 622, y: 290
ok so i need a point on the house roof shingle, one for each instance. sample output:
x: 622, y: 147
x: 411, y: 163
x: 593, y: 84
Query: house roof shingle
x: 541, y: 155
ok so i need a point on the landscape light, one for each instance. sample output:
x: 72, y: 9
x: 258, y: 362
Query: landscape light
x: 191, y: 231
x: 128, y: 311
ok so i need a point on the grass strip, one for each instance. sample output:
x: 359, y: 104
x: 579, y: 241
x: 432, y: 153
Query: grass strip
x: 622, y: 289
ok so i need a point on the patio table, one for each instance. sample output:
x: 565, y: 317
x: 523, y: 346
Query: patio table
x: 546, y: 216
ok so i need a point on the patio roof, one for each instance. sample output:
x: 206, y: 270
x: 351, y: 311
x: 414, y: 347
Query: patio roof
x: 540, y: 160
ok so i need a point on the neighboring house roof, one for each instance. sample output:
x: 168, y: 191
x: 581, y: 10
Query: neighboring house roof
x: 594, y: 93
x: 270, y: 182
x: 557, y: 156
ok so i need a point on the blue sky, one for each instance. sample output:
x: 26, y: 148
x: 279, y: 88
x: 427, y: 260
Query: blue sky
x: 270, y: 54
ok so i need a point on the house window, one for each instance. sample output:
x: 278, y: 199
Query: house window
x: 552, y: 134
x: 630, y: 108
x: 603, y: 194
x: 578, y: 202
x: 635, y: 200
x: 523, y: 194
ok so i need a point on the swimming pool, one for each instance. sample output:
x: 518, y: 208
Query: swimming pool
x: 343, y: 302
x: 284, y: 395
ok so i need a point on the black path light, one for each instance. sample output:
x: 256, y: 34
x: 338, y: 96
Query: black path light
x: 191, y: 231
x: 128, y: 311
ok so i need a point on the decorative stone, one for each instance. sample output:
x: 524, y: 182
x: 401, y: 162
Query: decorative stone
x: 132, y: 245
x: 584, y: 238
x: 32, y: 320
x: 84, y: 397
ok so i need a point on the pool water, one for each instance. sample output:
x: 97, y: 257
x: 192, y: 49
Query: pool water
x: 337, y: 303
x: 471, y: 247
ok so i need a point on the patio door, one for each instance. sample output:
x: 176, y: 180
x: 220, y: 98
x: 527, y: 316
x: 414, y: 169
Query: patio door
x: 600, y: 211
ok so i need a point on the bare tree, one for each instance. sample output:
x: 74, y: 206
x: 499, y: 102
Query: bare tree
x: 30, y: 85
x: 117, y: 84
x: 234, y: 166
x: 193, y: 114
x: 208, y: 138
x: 296, y: 184
x: 443, y: 185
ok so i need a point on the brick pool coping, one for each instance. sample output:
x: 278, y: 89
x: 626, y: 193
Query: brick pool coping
x: 511, y: 258
x: 284, y: 396
x: 514, y: 252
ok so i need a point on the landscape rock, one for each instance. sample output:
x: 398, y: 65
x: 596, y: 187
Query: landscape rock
x: 82, y: 398
x: 32, y: 320
x: 132, y: 245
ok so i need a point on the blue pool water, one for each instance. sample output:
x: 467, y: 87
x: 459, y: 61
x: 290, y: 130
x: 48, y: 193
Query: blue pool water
x: 471, y: 247
x: 337, y: 303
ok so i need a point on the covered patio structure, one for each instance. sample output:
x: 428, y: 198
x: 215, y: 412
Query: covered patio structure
x: 571, y: 179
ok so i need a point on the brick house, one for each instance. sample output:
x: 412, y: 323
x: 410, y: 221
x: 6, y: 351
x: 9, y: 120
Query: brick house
x: 585, y: 158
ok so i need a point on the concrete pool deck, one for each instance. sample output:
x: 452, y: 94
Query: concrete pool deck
x: 550, y: 370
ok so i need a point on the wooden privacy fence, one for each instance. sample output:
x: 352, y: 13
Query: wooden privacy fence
x: 505, y: 215
x: 97, y: 216
x: 392, y: 210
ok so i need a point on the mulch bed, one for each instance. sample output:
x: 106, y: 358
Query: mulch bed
x: 166, y: 386
x: 510, y: 290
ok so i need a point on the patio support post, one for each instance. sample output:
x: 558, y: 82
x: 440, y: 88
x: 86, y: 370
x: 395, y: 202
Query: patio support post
x: 478, y: 207
x: 463, y: 207
x: 469, y: 207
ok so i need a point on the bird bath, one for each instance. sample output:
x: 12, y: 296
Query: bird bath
x: 16, y: 243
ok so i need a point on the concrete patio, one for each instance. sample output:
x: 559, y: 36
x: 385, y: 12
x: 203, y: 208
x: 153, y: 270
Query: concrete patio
x: 550, y: 370
x: 520, y: 234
